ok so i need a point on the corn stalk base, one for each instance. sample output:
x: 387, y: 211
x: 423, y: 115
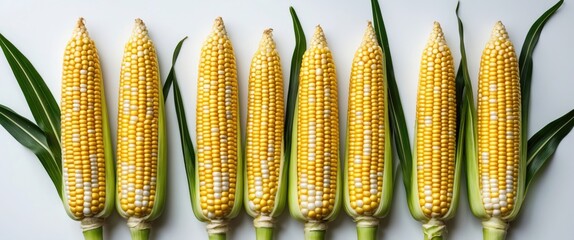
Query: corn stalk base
x: 94, y: 234
x: 494, y: 229
x: 367, y: 233
x: 434, y: 230
x: 139, y: 234
x: 218, y: 236
x: 263, y: 233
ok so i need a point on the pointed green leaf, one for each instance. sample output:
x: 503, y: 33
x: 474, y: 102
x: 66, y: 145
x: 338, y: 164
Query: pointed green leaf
x: 185, y: 139
x: 40, y: 100
x: 396, y: 116
x: 300, y: 47
x: 468, y: 127
x: 525, y: 63
x: 543, y: 144
x: 32, y: 137
x: 169, y: 80
x: 186, y: 143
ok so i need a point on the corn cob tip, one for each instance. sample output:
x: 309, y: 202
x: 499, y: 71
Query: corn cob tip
x: 140, y: 29
x: 80, y: 30
x: 81, y: 23
x: 437, y: 36
x: 499, y: 32
x: 219, y: 27
x: 267, y: 44
x: 319, y: 39
x: 370, y: 37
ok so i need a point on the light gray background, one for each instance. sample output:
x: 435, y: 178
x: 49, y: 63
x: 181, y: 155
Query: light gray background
x: 30, y: 208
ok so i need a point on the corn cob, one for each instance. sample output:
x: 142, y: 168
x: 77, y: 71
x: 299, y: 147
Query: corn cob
x: 498, y: 124
x: 86, y: 147
x: 218, y: 183
x: 434, y: 190
x: 499, y: 174
x: 265, y: 181
x: 141, y: 155
x: 368, y: 183
x: 314, y: 192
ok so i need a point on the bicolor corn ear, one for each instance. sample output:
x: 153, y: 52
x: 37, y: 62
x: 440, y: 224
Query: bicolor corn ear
x: 265, y: 172
x: 219, y: 172
x: 87, y: 160
x: 500, y: 167
x: 315, y: 183
x: 499, y: 126
x: 141, y: 150
x: 368, y: 161
x: 436, y: 165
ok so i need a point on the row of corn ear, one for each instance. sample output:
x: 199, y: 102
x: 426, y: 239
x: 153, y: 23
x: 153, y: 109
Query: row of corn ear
x: 318, y: 186
x: 315, y: 192
x: 492, y: 139
x: 88, y: 178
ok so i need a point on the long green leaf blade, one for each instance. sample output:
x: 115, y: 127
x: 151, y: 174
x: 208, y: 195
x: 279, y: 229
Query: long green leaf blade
x: 544, y: 143
x: 300, y: 47
x: 32, y: 137
x: 396, y: 113
x: 525, y: 63
x: 169, y: 80
x: 468, y: 126
x: 40, y: 100
x: 185, y: 138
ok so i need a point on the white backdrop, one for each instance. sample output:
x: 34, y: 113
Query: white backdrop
x: 30, y: 208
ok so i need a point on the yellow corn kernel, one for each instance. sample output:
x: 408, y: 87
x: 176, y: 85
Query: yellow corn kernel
x: 82, y: 127
x: 317, y: 131
x: 217, y: 124
x: 436, y: 126
x: 498, y: 123
x: 265, y: 123
x: 366, y: 115
x: 138, y: 116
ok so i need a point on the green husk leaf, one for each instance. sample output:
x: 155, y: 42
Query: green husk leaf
x: 109, y: 159
x: 292, y: 193
x: 396, y: 114
x: 33, y: 138
x: 281, y: 196
x: 291, y: 114
x: 171, y: 76
x: 40, y: 100
x: 300, y: 47
x: 161, y: 184
x: 468, y: 128
x: 544, y: 143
